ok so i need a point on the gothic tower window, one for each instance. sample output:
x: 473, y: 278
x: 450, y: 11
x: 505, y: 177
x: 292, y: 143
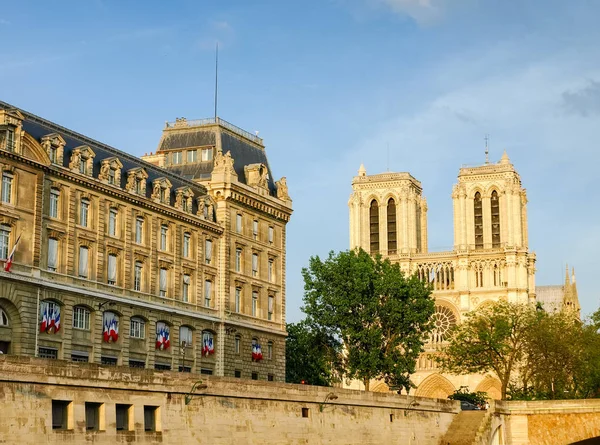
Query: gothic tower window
x: 391, y: 226
x: 374, y: 226
x: 478, y: 212
x: 495, y: 207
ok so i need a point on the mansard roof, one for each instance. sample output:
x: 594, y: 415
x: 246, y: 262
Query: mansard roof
x: 38, y: 127
x: 245, y: 148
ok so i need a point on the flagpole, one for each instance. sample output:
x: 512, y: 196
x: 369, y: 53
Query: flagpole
x: 37, y: 333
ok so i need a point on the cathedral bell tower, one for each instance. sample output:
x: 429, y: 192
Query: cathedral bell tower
x: 490, y: 208
x: 388, y: 214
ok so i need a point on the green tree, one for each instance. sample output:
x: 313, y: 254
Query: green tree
x: 491, y: 339
x: 310, y: 355
x: 477, y: 398
x: 380, y: 316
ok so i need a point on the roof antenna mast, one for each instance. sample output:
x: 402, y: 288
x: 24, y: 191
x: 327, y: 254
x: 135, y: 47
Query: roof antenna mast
x: 216, y: 78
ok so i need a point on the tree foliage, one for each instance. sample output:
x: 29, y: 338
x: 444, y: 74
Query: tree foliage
x: 535, y: 354
x: 311, y: 355
x: 491, y: 339
x: 380, y: 316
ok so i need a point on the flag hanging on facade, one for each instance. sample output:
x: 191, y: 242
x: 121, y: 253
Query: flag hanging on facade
x: 44, y: 323
x: 105, y: 331
x: 10, y: 258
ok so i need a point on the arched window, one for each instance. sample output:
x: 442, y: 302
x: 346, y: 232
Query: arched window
x: 391, y: 226
x: 443, y: 320
x: 374, y: 226
x: 495, y: 207
x: 49, y: 316
x: 185, y: 336
x: 478, y: 213
x: 3, y: 318
x: 137, y: 328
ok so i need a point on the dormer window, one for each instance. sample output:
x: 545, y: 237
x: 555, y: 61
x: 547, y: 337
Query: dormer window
x: 111, y: 176
x: 110, y: 171
x: 184, y: 205
x: 54, y: 146
x: 191, y: 156
x: 83, y: 166
x: 161, y: 190
x: 82, y: 160
x: 183, y: 199
x: 177, y: 157
x: 136, y: 181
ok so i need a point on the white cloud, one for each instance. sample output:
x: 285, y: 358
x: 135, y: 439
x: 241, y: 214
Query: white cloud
x: 422, y: 11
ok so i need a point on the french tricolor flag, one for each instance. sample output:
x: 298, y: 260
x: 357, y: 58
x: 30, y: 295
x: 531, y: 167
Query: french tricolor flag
x: 10, y: 258
x: 44, y: 323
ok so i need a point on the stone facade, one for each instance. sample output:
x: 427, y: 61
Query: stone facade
x: 55, y: 402
x: 490, y: 260
x: 117, y: 255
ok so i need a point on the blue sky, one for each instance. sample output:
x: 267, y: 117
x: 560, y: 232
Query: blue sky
x: 332, y: 83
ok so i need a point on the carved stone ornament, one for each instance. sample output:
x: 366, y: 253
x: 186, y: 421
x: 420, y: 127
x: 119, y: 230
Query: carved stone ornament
x: 223, y: 163
x: 282, y: 189
x: 75, y: 160
x: 104, y: 171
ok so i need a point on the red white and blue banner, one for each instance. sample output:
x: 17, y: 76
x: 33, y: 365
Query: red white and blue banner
x: 207, y: 345
x: 256, y: 352
x: 11, y: 257
x: 163, y: 337
x: 110, y: 331
x: 50, y: 322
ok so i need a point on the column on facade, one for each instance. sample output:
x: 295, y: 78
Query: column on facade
x: 487, y: 221
x: 424, y: 240
x: 524, y: 228
x: 455, y: 214
x: 510, y: 241
x: 412, y: 217
x: 399, y: 224
x: 365, y: 226
x: 354, y: 221
x: 462, y: 218
x: 517, y: 212
x: 405, y: 238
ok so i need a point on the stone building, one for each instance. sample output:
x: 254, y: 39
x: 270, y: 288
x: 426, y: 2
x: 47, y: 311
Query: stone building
x: 490, y: 260
x: 172, y: 262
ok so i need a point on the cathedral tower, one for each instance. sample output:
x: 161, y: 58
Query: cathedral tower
x: 388, y: 214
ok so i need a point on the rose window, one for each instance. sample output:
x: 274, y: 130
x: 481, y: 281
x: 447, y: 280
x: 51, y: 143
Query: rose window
x: 443, y: 320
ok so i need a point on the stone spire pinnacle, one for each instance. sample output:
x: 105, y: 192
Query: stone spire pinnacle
x: 567, y: 279
x: 362, y: 171
x: 504, y: 160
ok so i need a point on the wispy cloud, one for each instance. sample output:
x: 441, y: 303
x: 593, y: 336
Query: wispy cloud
x: 584, y: 101
x: 4, y: 22
x: 422, y: 11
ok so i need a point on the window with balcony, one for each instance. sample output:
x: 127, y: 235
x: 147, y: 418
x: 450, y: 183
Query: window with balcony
x: 255, y: 264
x: 112, y: 269
x: 54, y: 200
x: 84, y: 212
x: 163, y: 282
x: 186, y: 244
x: 83, y: 261
x: 208, y: 251
x: 52, y: 254
x: 207, y: 292
x: 137, y: 276
x: 7, y: 186
x: 112, y: 222
x: 164, y: 230
x: 238, y: 299
x: 186, y: 288
x: 238, y: 259
x: 139, y: 229
x: 254, y: 303
x: 4, y: 241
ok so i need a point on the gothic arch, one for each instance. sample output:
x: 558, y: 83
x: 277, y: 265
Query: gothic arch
x: 12, y: 333
x: 380, y: 387
x: 372, y: 197
x: 473, y: 190
x: 436, y: 386
x: 486, y: 302
x: 491, y: 188
x: 491, y: 386
x: 387, y: 197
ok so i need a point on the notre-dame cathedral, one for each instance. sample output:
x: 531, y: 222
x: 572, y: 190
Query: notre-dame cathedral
x: 490, y: 260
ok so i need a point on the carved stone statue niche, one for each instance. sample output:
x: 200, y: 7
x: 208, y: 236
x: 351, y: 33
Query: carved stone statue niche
x: 282, y: 189
x: 257, y: 175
